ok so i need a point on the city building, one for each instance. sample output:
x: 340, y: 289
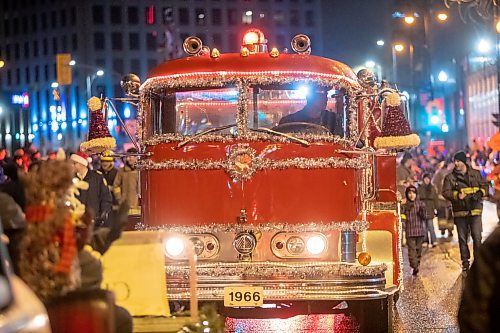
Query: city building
x: 481, y: 99
x: 116, y: 37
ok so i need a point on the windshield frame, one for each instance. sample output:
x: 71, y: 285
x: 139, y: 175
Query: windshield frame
x: 244, y: 133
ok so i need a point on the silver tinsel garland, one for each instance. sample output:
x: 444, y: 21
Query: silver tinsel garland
x: 241, y: 81
x: 257, y: 164
x: 271, y: 270
x: 357, y: 226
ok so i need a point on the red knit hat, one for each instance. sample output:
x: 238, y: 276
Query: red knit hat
x: 80, y: 157
x: 396, y: 132
x: 99, y: 138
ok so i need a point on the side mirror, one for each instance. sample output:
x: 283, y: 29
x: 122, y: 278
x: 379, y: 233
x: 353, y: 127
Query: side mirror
x: 130, y: 84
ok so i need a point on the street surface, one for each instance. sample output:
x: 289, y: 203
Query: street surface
x: 428, y: 304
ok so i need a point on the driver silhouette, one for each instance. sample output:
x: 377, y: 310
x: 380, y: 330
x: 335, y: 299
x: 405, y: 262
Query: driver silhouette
x: 314, y: 112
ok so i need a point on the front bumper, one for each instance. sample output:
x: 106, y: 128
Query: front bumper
x: 297, y: 281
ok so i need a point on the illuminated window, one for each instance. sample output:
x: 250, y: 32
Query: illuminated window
x: 150, y: 15
x: 247, y: 17
x: 200, y: 17
x: 168, y: 15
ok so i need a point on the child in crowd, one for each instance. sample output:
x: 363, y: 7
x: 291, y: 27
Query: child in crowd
x: 413, y: 215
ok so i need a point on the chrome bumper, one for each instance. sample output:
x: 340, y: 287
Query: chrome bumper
x: 281, y: 281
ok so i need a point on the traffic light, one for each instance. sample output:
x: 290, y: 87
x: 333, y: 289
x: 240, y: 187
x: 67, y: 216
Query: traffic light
x: 496, y: 119
x: 63, y: 69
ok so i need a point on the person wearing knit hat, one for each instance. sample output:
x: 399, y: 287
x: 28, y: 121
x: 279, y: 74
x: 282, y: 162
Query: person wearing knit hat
x: 413, y: 217
x: 460, y: 156
x: 109, y: 172
x: 428, y: 195
x: 97, y: 197
x: 465, y: 188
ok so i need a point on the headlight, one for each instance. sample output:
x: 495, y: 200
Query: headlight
x: 316, y: 245
x: 174, y: 246
x: 198, y: 245
x: 295, y: 245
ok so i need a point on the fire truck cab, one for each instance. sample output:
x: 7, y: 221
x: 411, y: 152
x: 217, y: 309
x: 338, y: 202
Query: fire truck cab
x: 289, y: 213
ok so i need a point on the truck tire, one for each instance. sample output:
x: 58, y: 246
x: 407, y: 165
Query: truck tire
x: 373, y: 316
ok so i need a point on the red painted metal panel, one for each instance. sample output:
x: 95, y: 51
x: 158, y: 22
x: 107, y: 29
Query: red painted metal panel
x: 211, y: 196
x: 231, y: 62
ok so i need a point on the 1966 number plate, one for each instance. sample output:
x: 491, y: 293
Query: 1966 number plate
x: 243, y: 296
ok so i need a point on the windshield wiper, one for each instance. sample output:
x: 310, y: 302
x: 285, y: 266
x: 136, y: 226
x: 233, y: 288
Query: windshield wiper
x: 215, y: 129
x: 288, y: 136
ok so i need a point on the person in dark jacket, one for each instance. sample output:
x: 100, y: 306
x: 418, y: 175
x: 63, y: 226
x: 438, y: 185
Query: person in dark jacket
x: 413, y: 215
x: 465, y: 188
x: 13, y: 186
x: 314, y: 112
x: 428, y: 195
x: 109, y: 173
x: 97, y: 197
x: 480, y: 305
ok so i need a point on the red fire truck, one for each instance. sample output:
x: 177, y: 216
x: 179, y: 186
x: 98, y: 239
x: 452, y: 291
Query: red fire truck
x: 285, y: 217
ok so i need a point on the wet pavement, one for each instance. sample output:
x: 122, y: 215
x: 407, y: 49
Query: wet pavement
x: 429, y: 302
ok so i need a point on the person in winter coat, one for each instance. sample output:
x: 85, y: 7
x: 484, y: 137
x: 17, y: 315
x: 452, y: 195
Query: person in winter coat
x: 109, y: 172
x: 444, y: 211
x: 14, y: 226
x: 126, y: 184
x: 480, y: 305
x: 465, y: 188
x: 97, y: 197
x: 427, y: 194
x: 413, y: 215
x: 13, y: 186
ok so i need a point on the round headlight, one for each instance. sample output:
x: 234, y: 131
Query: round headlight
x: 316, y: 244
x: 295, y: 245
x: 174, y: 246
x: 197, y: 245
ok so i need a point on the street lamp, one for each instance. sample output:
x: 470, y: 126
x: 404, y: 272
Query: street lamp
x: 484, y: 46
x: 374, y: 67
x: 380, y: 42
x: 2, y: 63
x: 442, y: 76
x: 90, y: 79
x: 442, y: 16
x: 409, y: 19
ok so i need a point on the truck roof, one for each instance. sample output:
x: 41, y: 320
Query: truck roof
x: 295, y: 66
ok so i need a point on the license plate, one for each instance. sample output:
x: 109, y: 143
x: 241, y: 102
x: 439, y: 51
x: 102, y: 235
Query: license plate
x: 243, y: 296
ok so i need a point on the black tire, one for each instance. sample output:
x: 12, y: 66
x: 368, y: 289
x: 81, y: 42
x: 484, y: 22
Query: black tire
x: 373, y: 316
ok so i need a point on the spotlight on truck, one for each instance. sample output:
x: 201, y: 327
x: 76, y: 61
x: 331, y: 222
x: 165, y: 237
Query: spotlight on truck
x: 316, y: 244
x: 174, y: 246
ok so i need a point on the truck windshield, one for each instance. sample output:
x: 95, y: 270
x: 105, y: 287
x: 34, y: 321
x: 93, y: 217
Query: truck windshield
x: 193, y: 112
x: 298, y: 108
